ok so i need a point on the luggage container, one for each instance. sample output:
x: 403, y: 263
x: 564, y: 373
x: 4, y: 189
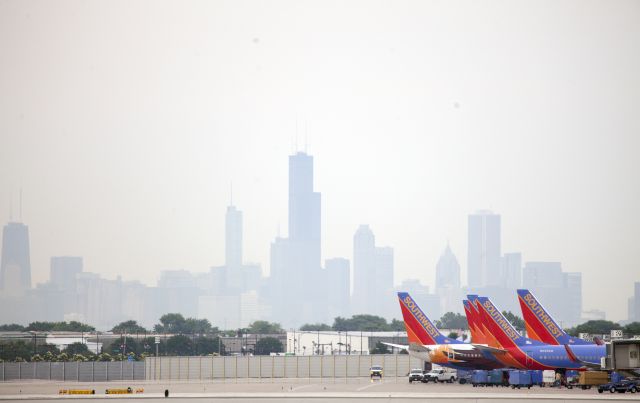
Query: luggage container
x: 479, y: 378
x: 519, y: 379
x: 536, y: 377
x: 495, y: 377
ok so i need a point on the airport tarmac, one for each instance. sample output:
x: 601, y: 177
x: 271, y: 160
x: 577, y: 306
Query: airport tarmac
x: 303, y: 390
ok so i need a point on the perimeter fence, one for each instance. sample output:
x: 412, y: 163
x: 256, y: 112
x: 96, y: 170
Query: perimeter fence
x: 73, y: 371
x: 269, y: 367
x: 196, y: 368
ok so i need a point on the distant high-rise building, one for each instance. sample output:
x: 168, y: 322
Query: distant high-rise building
x: 297, y: 269
x: 512, y: 270
x: 372, y: 275
x: 634, y: 303
x: 338, y: 287
x: 64, y: 270
x: 447, y: 270
x: 15, y: 266
x: 560, y: 292
x: 483, y: 259
x: 542, y: 274
x: 233, y: 237
x: 448, y: 282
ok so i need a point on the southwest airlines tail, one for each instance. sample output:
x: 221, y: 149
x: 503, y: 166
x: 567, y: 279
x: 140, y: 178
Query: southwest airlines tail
x: 477, y: 336
x: 420, y: 329
x: 499, y: 327
x: 540, y: 325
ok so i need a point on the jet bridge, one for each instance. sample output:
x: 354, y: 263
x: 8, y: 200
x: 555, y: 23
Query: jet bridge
x: 623, y: 355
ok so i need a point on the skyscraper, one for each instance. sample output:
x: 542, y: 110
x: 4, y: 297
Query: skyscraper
x: 295, y: 260
x: 15, y: 266
x: 64, y: 270
x: 560, y: 292
x: 364, y: 248
x: 448, y: 281
x: 512, y: 270
x: 304, y: 211
x: 233, y: 237
x: 372, y: 275
x: 447, y: 270
x: 483, y: 259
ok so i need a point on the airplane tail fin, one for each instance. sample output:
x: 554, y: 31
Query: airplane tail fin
x: 419, y: 328
x: 499, y: 327
x: 539, y: 323
x: 471, y: 313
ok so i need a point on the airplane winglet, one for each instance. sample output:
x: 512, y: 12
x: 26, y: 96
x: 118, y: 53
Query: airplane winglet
x: 575, y: 358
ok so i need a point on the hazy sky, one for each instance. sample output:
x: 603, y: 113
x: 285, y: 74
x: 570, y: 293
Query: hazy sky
x: 124, y: 123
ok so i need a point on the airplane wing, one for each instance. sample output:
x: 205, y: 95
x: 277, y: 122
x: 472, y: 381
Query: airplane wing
x: 398, y: 346
x: 575, y: 358
x: 494, y: 350
x: 412, y: 347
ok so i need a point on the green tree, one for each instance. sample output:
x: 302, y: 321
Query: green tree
x: 14, y: 350
x: 72, y: 326
x: 77, y: 348
x: 268, y: 345
x: 379, y: 349
x: 13, y: 327
x: 594, y: 327
x: 366, y: 323
x: 118, y: 346
x: 397, y: 325
x: 453, y: 335
x: 264, y: 327
x: 452, y: 320
x: 198, y: 326
x: 179, y: 345
x: 314, y: 327
x: 632, y: 328
x: 208, y: 345
x: 171, y: 323
x: 104, y: 357
x: 129, y: 326
x: 515, y: 320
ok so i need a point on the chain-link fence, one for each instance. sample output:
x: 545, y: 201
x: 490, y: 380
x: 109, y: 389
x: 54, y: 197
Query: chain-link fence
x: 265, y: 367
x: 73, y: 371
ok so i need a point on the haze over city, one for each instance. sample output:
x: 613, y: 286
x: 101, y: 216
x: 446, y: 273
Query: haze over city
x: 130, y: 129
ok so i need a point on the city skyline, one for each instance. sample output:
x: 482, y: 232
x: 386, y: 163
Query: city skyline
x: 124, y: 157
x: 490, y: 269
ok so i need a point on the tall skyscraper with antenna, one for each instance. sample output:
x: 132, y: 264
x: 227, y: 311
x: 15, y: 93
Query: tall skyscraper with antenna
x: 233, y: 237
x: 295, y: 260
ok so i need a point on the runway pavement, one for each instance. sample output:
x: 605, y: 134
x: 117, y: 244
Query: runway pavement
x: 303, y: 390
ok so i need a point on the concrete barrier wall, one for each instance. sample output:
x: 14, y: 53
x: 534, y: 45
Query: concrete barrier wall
x: 258, y: 367
x: 73, y: 371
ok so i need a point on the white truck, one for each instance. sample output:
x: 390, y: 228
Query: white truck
x: 441, y: 375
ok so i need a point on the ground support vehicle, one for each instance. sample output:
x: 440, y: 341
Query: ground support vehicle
x: 416, y: 375
x: 441, y: 375
x: 588, y: 379
x: 376, y: 371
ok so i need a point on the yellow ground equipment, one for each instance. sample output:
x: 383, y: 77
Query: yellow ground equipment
x: 77, y: 392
